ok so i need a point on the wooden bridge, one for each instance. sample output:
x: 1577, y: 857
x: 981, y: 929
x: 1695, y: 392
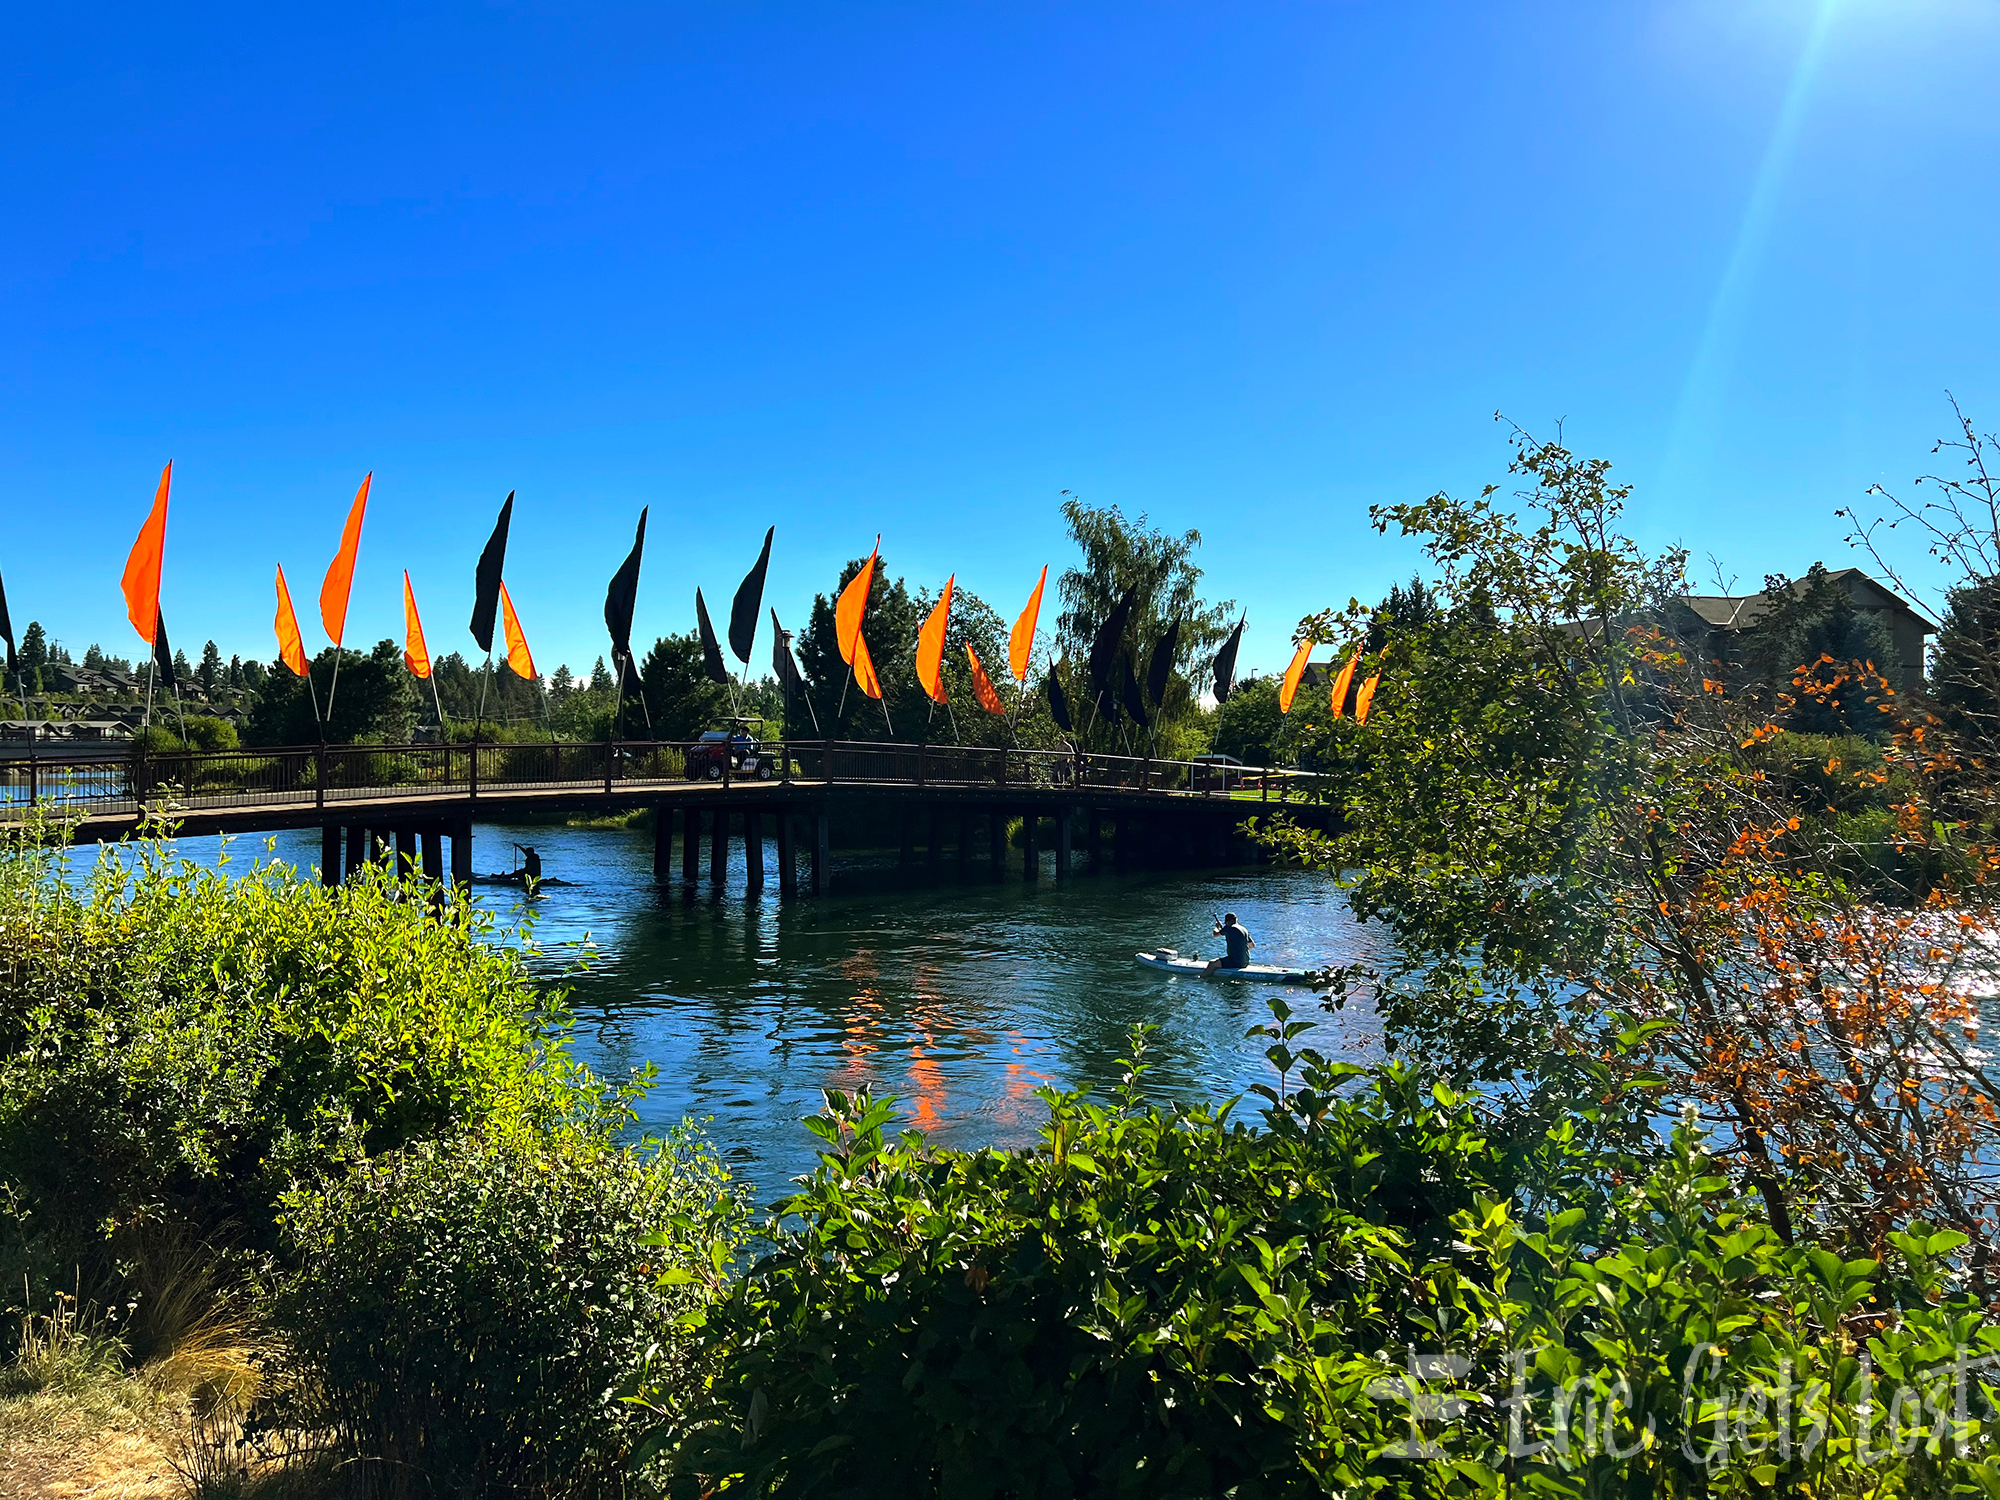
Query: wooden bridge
x: 403, y: 802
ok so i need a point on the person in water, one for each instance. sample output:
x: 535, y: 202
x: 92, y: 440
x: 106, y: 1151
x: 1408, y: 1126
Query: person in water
x: 531, y: 863
x: 1237, y: 943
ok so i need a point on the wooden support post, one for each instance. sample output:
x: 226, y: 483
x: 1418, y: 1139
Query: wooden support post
x: 718, y: 844
x: 996, y: 834
x: 1093, y: 849
x: 788, y: 856
x: 822, y: 851
x: 663, y: 842
x: 906, y: 834
x: 378, y: 846
x: 461, y: 855
x: 1031, y: 844
x: 434, y: 854
x: 753, y: 846
x: 1062, y: 841
x: 690, y: 844
x: 1121, y: 840
x: 357, y: 842
x: 406, y: 853
x: 329, y: 855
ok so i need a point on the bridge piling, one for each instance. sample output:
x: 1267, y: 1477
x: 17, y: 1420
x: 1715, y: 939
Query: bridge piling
x: 788, y: 857
x: 461, y: 854
x: 718, y: 845
x: 996, y: 834
x: 690, y: 845
x: 1062, y: 841
x: 434, y: 855
x: 406, y: 853
x: 329, y: 854
x: 906, y: 836
x: 821, y: 843
x: 663, y: 842
x: 934, y: 818
x: 1092, y: 850
x: 1031, y: 844
x: 753, y: 846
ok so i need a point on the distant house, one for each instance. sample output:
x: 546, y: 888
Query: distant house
x: 1721, y: 616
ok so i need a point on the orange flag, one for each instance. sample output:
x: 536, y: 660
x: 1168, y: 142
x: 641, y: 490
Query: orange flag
x: 416, y: 656
x: 982, y: 685
x: 1365, y: 697
x: 1341, y: 681
x: 1289, y: 688
x: 852, y: 606
x: 930, y: 645
x: 1021, y: 644
x: 340, y: 572
x: 142, y: 568
x: 864, y: 668
x: 519, y: 662
x: 291, y: 650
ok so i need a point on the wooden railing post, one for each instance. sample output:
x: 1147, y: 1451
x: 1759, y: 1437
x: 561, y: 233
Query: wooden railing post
x: 472, y: 771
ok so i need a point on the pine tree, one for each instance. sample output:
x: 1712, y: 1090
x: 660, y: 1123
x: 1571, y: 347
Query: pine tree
x: 601, y: 680
x: 211, y: 667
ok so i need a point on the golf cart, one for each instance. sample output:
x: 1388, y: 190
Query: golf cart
x: 735, y: 747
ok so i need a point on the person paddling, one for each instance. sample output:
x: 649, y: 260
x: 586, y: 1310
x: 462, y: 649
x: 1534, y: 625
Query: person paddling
x: 1236, y: 940
x: 531, y: 864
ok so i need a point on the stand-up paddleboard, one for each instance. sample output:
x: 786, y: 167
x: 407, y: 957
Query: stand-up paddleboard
x: 1189, y: 964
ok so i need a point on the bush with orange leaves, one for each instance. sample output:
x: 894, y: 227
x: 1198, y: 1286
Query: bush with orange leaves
x: 1611, y: 906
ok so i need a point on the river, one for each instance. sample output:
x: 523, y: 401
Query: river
x: 960, y: 999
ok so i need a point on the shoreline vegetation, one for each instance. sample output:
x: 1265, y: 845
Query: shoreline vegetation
x: 1681, y: 1180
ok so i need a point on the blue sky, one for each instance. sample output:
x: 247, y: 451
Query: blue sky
x: 917, y: 269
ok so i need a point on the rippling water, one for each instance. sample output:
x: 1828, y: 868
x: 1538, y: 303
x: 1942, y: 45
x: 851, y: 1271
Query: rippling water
x: 958, y: 998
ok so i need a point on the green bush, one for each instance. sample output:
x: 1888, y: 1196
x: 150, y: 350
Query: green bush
x: 178, y: 1047
x: 1365, y: 1297
x: 472, y: 1309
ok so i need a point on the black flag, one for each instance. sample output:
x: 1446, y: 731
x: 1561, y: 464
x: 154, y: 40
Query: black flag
x: 6, y: 627
x: 749, y: 599
x: 711, y: 653
x: 486, y: 598
x: 781, y: 657
x: 1225, y: 663
x: 623, y: 594
x: 163, y: 654
x: 1135, y: 701
x: 1160, y: 671
x: 1059, y: 704
x: 1104, y: 649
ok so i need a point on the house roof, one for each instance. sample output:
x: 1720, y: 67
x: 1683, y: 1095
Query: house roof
x: 1740, y: 611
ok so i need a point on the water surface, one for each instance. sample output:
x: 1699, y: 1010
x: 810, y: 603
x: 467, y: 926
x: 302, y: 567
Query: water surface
x: 959, y: 998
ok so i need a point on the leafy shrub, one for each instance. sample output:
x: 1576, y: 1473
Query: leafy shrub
x: 177, y: 1047
x: 467, y: 1311
x: 1169, y: 1303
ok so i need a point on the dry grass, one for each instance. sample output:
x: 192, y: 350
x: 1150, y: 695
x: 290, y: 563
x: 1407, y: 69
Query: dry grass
x: 77, y: 1419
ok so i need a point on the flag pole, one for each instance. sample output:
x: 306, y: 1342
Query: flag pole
x: 485, y: 676
x: 151, y: 667
x: 437, y: 703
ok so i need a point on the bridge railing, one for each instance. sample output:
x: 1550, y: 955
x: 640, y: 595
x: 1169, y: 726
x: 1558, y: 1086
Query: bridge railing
x: 324, y: 776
